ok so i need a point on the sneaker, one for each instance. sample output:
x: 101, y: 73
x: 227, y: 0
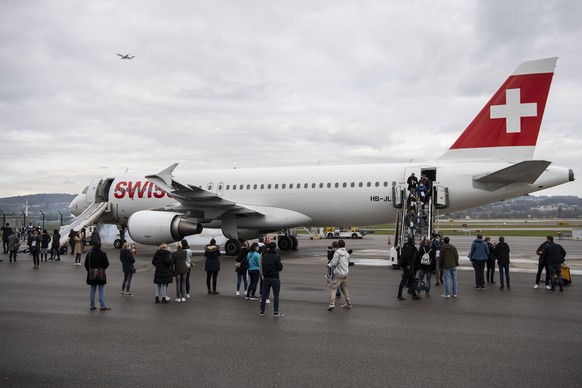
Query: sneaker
x: 253, y: 298
x: 93, y: 308
x: 237, y: 293
x: 168, y: 298
x: 501, y: 287
x: 122, y: 293
x: 445, y: 296
x: 561, y: 288
x: 400, y: 297
x: 346, y: 306
x: 455, y: 296
x: 261, y: 314
x: 178, y: 300
x: 536, y: 286
x: 215, y: 292
x: 278, y: 315
x: 267, y: 301
x: 105, y: 308
x: 128, y: 294
x: 330, y: 307
x: 548, y: 287
x: 188, y: 296
x: 247, y: 297
x: 157, y: 300
x: 183, y: 299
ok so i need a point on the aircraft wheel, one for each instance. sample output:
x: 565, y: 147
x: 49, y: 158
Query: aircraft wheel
x: 285, y: 243
x: 118, y: 243
x: 295, y: 243
x: 354, y: 235
x: 330, y: 235
x: 232, y: 247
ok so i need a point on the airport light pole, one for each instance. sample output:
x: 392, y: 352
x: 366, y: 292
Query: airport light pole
x: 23, y: 218
x: 41, y: 212
x: 3, y: 218
x: 61, y: 217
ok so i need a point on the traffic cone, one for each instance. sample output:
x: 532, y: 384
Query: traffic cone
x: 389, y: 242
x: 133, y: 250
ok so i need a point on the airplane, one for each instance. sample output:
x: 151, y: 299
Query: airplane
x: 492, y: 160
x: 126, y: 56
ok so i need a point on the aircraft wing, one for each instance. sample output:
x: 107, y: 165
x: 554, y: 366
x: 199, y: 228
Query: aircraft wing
x: 525, y: 172
x: 193, y: 198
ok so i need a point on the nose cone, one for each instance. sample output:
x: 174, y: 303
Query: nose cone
x: 78, y: 205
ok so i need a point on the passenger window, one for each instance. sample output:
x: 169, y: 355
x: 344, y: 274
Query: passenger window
x: 385, y: 184
x: 248, y: 187
x: 377, y: 184
x: 276, y: 185
x: 329, y: 185
x: 361, y: 184
x: 369, y: 184
x: 228, y: 187
x: 321, y: 185
x: 283, y: 186
x: 262, y: 186
x: 344, y: 184
x: 336, y: 185
x: 290, y: 185
x: 269, y: 186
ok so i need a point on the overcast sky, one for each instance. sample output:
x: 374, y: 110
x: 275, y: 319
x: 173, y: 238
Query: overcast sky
x: 252, y: 83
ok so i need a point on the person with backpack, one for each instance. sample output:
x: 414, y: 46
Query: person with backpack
x: 426, y: 263
x: 406, y: 260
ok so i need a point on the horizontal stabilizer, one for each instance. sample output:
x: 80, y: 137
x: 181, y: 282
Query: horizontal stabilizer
x: 525, y: 172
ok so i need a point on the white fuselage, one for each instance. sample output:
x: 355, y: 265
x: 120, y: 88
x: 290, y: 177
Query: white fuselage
x: 327, y: 195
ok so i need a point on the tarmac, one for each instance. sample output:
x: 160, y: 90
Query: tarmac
x: 495, y: 338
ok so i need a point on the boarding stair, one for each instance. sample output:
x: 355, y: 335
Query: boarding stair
x: 85, y: 219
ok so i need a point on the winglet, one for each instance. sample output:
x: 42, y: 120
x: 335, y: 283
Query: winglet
x: 165, y: 175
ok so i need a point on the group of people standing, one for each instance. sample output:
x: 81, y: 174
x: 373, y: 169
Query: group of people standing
x: 262, y: 263
x: 39, y: 244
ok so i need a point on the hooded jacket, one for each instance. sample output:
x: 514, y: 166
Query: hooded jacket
x: 212, y: 264
x: 340, y: 262
x: 479, y: 250
x: 502, y: 253
x: 449, y: 256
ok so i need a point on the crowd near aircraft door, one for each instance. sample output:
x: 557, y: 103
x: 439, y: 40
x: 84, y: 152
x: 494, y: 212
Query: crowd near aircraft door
x: 491, y: 160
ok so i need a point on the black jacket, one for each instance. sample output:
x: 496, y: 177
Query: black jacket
x: 96, y: 258
x: 407, y: 256
x: 431, y: 253
x: 163, y: 262
x: 212, y: 254
x: 502, y: 253
x: 271, y: 264
x: 554, y: 253
x: 127, y: 260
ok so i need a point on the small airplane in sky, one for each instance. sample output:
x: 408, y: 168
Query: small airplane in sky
x: 126, y: 56
x: 491, y: 160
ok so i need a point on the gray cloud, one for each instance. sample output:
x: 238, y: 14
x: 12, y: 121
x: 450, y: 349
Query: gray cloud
x: 215, y: 84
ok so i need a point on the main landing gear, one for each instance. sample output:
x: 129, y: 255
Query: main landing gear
x: 118, y: 243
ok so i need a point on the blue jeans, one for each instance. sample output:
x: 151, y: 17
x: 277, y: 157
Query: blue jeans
x: 181, y: 285
x: 448, y: 274
x: 254, y: 274
x: 504, y: 268
x: 555, y: 268
x: 101, y: 295
x: 421, y: 273
x: 241, y: 276
x: 269, y: 283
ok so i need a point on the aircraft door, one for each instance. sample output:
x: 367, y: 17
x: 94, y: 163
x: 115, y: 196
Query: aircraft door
x: 98, y: 190
x: 441, y: 197
x: 216, y: 188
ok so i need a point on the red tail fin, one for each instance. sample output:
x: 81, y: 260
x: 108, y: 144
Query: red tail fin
x: 513, y: 116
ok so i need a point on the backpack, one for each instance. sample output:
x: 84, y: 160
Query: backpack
x: 425, y: 260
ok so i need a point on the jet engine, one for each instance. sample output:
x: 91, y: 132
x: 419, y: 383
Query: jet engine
x: 156, y: 227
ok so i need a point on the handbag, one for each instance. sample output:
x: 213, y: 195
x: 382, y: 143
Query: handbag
x: 97, y: 274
